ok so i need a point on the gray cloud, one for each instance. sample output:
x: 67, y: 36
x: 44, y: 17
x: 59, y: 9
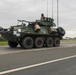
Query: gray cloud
x: 11, y: 10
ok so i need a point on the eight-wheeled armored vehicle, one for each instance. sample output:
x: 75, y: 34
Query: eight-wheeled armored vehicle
x: 36, y: 34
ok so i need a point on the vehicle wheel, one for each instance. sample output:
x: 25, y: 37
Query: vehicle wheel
x: 27, y: 43
x: 56, y: 42
x: 12, y: 44
x: 61, y: 31
x: 39, y: 42
x: 49, y: 42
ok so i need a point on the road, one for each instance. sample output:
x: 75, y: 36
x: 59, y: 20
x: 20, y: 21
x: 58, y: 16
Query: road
x: 44, y: 61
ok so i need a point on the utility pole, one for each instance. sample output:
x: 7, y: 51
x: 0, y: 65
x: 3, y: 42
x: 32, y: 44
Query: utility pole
x: 47, y: 8
x: 57, y: 13
x: 52, y: 8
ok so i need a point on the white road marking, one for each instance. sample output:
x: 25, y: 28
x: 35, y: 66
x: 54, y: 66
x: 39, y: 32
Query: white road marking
x: 35, y: 65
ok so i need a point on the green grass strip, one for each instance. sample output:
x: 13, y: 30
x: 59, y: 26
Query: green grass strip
x: 69, y: 41
x: 4, y: 43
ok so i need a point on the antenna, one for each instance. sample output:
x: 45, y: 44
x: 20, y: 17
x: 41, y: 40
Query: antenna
x: 57, y: 13
x: 52, y: 8
x: 47, y: 8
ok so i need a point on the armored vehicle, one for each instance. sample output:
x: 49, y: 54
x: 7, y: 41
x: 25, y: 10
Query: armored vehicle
x: 36, y: 34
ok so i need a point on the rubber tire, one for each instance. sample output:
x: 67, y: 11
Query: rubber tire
x: 39, y: 42
x: 49, y: 42
x: 12, y: 44
x: 56, y: 42
x: 27, y: 43
x: 61, y: 31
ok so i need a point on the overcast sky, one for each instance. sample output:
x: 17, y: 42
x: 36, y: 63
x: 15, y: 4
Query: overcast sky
x: 11, y: 10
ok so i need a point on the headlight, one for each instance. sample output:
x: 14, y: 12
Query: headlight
x: 14, y: 32
x: 8, y: 29
x: 19, y: 30
x: 17, y: 34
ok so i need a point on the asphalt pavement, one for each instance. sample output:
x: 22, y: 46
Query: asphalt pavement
x: 35, y: 61
x: 66, y: 67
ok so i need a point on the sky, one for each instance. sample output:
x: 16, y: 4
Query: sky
x: 30, y: 10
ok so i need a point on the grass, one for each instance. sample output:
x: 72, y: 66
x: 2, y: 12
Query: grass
x: 3, y: 43
x: 69, y: 41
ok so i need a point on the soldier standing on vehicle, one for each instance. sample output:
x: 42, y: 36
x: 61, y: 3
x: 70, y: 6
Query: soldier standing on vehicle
x: 42, y: 17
